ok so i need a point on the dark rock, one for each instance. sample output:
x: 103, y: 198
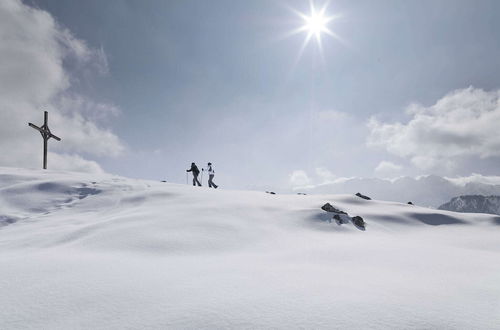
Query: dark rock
x: 410, y: 203
x: 330, y: 208
x: 301, y: 194
x: 363, y: 196
x: 358, y: 221
x: 338, y: 219
x: 271, y: 192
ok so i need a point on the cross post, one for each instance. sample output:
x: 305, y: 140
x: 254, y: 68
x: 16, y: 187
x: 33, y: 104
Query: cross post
x: 46, y: 135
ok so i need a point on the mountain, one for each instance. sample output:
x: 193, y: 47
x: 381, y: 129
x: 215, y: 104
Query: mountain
x: 430, y: 190
x: 473, y: 204
x: 87, y: 251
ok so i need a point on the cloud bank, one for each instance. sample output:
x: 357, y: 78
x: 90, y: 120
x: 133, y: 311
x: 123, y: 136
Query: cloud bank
x: 387, y: 168
x: 428, y: 190
x: 463, y: 123
x: 40, y: 59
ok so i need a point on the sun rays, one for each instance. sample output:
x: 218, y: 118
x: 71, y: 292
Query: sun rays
x: 315, y: 24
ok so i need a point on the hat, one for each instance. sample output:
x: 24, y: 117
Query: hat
x: 209, y: 163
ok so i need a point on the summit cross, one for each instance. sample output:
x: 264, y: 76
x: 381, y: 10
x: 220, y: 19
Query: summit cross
x: 46, y: 135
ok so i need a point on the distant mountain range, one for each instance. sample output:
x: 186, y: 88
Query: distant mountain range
x: 473, y: 204
x: 431, y: 190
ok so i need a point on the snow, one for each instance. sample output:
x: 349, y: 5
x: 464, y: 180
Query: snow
x: 82, y: 251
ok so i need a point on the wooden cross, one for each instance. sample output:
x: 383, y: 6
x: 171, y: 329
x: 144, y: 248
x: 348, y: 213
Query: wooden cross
x: 46, y: 135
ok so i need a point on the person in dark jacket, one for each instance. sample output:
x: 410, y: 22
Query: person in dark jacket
x: 194, y: 169
x: 211, y: 174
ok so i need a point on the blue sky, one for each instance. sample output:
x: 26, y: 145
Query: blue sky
x: 220, y: 81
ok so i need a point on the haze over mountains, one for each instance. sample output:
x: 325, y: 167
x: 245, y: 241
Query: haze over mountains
x: 431, y: 190
x: 473, y: 204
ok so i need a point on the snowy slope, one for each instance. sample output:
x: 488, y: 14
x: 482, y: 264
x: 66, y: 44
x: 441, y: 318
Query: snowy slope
x: 102, y: 252
x: 473, y: 204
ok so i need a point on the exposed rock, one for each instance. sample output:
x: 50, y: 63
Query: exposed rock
x: 358, y: 221
x: 338, y: 219
x: 330, y: 208
x: 271, y: 192
x: 363, y: 196
x: 410, y: 203
x: 342, y: 217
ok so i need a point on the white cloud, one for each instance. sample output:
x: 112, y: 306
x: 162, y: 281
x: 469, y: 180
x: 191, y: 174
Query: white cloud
x: 388, y: 168
x: 475, y: 178
x: 36, y: 56
x: 95, y: 111
x: 427, y: 190
x: 325, y: 175
x: 463, y: 123
x: 65, y: 162
x: 299, y: 178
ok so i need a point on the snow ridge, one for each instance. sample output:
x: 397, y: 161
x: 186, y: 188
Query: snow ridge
x: 86, y: 251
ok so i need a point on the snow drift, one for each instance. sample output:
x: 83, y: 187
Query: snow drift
x: 87, y: 251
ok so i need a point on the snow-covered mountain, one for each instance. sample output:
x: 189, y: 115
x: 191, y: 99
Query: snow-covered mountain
x: 430, y: 190
x: 473, y: 204
x: 82, y: 251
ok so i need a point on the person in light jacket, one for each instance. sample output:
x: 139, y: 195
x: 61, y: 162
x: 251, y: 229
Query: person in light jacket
x: 211, y: 174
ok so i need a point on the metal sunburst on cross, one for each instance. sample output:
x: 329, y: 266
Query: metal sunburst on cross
x: 46, y: 135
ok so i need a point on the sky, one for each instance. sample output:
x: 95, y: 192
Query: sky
x: 144, y: 88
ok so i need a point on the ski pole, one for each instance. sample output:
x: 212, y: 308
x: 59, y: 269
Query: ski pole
x: 202, y: 176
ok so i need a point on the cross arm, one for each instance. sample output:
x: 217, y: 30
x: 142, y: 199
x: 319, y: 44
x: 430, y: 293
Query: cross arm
x: 55, y: 137
x: 35, y: 127
x: 45, y: 132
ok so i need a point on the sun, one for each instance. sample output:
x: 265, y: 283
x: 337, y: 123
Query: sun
x: 315, y: 24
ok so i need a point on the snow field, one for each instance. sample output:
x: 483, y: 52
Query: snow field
x: 85, y: 252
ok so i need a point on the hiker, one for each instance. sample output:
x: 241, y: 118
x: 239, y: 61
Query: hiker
x: 194, y: 169
x: 211, y: 174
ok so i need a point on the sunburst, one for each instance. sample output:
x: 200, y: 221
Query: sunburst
x: 315, y: 24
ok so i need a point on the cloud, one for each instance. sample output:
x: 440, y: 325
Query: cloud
x: 463, y: 123
x: 325, y: 175
x: 388, y: 168
x: 299, y: 178
x: 66, y: 162
x: 475, y: 178
x: 428, y: 190
x: 40, y: 61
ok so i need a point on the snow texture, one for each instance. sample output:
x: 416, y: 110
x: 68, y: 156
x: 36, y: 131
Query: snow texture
x: 82, y: 251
